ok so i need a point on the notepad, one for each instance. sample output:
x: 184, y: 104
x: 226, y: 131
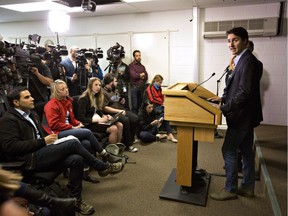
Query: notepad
x: 63, y: 139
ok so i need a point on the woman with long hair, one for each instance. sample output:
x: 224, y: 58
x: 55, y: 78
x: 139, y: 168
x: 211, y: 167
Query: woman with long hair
x: 59, y: 118
x: 90, y: 105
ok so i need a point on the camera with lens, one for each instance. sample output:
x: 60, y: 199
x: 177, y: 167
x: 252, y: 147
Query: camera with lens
x: 53, y: 58
x: 115, y: 53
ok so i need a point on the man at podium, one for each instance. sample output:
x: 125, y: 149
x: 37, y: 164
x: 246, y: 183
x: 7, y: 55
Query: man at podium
x: 241, y: 105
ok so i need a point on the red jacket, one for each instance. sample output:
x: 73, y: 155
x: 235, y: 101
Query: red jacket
x: 54, y: 116
x: 155, y: 96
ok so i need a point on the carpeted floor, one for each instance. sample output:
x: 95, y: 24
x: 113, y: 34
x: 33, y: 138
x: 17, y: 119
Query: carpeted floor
x: 135, y: 191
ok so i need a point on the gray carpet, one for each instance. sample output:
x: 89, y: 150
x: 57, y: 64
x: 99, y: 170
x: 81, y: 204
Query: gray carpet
x: 135, y: 191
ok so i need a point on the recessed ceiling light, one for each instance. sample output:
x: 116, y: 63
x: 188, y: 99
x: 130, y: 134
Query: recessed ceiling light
x: 36, y: 6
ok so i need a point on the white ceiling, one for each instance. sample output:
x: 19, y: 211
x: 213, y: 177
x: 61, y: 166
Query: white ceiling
x: 126, y: 8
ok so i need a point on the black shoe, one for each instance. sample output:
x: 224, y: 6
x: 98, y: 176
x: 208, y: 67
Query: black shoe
x: 90, y: 178
x: 84, y: 208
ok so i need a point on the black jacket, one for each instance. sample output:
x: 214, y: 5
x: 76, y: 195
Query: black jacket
x: 241, y: 98
x: 17, y: 138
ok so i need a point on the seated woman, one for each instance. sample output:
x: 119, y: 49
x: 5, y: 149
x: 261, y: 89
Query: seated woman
x: 59, y: 118
x: 149, y: 124
x: 155, y: 96
x: 90, y: 105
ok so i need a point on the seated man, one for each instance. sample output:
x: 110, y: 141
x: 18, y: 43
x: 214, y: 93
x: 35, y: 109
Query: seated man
x: 22, y: 139
x: 114, y: 104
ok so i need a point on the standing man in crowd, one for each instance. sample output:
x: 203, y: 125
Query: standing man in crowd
x: 70, y: 66
x: 40, y: 78
x: 241, y: 105
x: 138, y: 80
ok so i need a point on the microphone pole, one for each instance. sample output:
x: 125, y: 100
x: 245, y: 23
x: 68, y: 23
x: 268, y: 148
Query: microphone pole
x: 219, y: 80
x: 202, y: 82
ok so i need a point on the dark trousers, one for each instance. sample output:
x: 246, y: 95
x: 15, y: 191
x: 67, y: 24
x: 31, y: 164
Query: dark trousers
x: 130, y: 127
x: 69, y: 154
x: 86, y: 137
x: 137, y: 97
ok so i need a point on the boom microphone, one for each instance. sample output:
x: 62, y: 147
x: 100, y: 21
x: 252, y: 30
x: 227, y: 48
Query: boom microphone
x: 202, y: 82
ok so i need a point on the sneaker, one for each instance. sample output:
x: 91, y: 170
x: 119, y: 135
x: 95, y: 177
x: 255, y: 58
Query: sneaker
x: 113, y: 168
x: 160, y: 137
x: 132, y: 149
x: 136, y: 141
x: 223, y: 195
x: 83, y: 208
x: 246, y: 192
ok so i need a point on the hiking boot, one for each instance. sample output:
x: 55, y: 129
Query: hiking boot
x: 113, y: 168
x: 111, y: 158
x: 84, y: 208
x: 88, y: 177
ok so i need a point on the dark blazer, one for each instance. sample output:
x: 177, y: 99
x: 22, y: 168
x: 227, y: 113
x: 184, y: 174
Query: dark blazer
x: 241, y: 98
x: 18, y: 138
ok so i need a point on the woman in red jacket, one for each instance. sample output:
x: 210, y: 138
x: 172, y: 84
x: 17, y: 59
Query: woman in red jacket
x: 155, y: 96
x: 59, y: 118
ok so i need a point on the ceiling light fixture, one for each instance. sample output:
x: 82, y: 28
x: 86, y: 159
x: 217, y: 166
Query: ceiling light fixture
x: 37, y: 6
x: 88, y: 5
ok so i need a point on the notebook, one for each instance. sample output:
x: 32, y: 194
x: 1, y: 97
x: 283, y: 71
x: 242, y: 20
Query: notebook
x: 113, y: 119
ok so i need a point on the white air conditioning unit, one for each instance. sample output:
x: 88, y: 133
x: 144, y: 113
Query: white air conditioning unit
x: 264, y: 27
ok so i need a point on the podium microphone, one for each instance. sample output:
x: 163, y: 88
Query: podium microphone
x: 225, y: 71
x: 202, y: 82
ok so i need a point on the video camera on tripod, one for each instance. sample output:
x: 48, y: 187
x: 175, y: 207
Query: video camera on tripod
x: 115, y: 53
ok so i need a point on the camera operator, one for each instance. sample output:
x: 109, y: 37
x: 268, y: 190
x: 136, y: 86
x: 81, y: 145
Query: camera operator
x: 93, y: 69
x: 53, y: 58
x: 70, y: 66
x: 120, y: 70
x: 40, y: 78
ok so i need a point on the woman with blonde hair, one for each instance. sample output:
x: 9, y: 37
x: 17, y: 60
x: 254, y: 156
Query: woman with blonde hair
x: 59, y: 118
x: 90, y: 105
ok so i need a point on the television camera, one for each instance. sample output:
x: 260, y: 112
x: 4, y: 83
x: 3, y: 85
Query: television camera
x: 83, y: 57
x: 115, y: 53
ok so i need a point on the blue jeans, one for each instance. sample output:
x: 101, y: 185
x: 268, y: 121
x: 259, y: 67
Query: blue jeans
x: 69, y: 154
x: 149, y: 135
x: 86, y: 137
x: 242, y: 141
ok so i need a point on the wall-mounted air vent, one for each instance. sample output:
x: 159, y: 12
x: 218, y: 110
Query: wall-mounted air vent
x: 264, y: 27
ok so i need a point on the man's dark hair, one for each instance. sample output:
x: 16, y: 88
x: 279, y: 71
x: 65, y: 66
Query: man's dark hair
x: 14, y: 94
x: 108, y: 78
x: 135, y: 52
x: 240, y: 32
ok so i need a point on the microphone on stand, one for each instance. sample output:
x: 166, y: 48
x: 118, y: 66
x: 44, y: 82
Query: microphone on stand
x: 218, y: 81
x: 225, y: 71
x: 202, y: 82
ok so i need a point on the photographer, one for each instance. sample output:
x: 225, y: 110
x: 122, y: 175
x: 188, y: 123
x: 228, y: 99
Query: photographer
x: 93, y: 68
x: 120, y: 70
x: 40, y: 78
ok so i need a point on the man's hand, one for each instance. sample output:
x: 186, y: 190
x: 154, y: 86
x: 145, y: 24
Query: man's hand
x: 50, y: 139
x: 215, y: 99
x: 74, y: 77
x: 142, y: 75
x: 34, y: 70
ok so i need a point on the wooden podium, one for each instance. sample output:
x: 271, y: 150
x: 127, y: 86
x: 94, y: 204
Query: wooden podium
x: 196, y: 120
